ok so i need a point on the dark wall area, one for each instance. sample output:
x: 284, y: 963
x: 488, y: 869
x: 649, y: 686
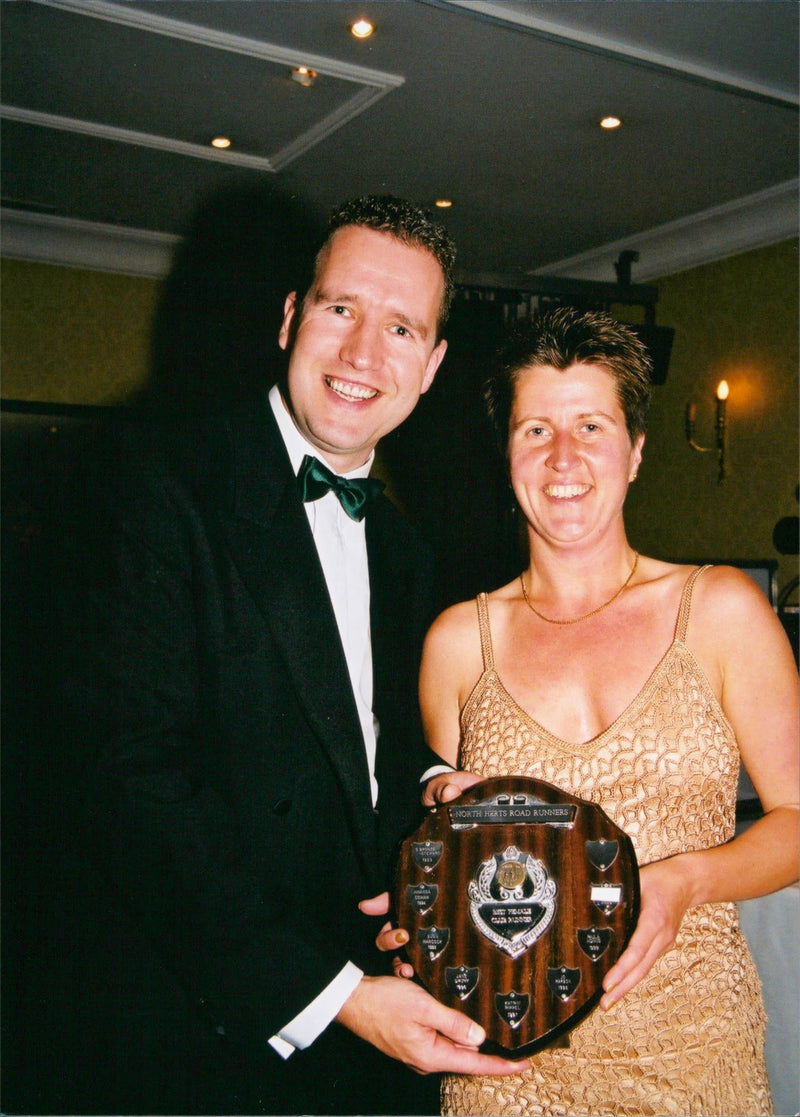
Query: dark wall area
x: 444, y: 468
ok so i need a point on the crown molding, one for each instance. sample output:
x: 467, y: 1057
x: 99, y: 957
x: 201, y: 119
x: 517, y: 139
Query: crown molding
x: 528, y: 20
x: 45, y: 239
x: 756, y: 221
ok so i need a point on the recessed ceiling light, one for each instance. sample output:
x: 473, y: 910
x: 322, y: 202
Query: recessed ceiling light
x: 361, y: 29
x: 304, y: 76
x: 221, y: 142
x: 609, y: 122
x: 443, y: 203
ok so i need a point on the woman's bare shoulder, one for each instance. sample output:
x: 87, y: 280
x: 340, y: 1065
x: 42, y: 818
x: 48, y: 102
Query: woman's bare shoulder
x: 454, y: 621
x: 727, y: 586
x: 452, y: 645
x: 453, y: 640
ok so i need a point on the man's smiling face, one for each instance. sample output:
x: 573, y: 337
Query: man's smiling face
x: 364, y: 349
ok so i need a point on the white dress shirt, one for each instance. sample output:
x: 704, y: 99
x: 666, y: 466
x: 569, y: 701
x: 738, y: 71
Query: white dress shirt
x: 342, y: 547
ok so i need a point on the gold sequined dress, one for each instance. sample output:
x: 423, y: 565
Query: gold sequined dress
x: 689, y: 1038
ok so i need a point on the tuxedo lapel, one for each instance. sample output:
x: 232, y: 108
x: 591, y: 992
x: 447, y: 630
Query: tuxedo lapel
x: 274, y: 550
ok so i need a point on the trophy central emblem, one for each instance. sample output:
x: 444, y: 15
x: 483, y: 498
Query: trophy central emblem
x: 512, y: 900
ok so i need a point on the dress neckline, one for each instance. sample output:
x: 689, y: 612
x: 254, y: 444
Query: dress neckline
x: 643, y: 694
x: 676, y: 647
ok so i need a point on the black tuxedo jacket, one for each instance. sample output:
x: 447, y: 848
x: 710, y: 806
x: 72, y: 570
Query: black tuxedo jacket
x: 227, y: 795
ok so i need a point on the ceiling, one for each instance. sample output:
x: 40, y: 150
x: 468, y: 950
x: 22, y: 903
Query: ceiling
x: 108, y: 111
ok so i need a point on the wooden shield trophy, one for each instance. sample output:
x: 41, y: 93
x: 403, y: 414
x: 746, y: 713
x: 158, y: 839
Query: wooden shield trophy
x: 518, y: 899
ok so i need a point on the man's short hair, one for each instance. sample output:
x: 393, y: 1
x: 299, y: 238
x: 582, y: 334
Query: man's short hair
x: 404, y: 220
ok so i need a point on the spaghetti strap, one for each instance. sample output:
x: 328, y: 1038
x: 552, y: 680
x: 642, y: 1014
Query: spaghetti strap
x: 482, y: 601
x: 686, y: 603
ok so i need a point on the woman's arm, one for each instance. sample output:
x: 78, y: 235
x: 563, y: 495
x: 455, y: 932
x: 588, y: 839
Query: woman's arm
x: 741, y: 645
x: 746, y: 653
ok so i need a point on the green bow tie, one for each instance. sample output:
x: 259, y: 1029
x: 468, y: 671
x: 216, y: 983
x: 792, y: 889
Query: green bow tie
x: 315, y: 480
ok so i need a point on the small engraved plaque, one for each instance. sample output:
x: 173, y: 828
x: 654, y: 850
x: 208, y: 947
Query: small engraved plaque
x: 512, y: 1007
x: 563, y: 981
x: 594, y: 941
x: 514, y: 876
x: 427, y: 855
x: 461, y: 980
x: 422, y: 897
x: 433, y: 940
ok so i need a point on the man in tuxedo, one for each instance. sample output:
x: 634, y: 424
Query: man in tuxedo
x: 256, y: 624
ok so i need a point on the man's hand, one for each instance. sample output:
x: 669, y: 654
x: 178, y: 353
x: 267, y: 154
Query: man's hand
x: 447, y: 786
x: 406, y: 1023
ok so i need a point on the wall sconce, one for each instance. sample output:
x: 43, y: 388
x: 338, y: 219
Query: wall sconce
x: 721, y: 430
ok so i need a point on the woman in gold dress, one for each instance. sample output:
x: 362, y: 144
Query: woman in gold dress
x: 636, y: 684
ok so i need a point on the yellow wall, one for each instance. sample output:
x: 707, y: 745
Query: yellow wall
x: 73, y: 336
x: 737, y: 320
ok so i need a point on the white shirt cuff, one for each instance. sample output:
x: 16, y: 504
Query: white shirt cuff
x: 315, y: 1017
x: 435, y: 770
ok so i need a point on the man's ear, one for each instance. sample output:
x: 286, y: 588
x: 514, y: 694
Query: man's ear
x: 289, y: 309
x: 434, y: 361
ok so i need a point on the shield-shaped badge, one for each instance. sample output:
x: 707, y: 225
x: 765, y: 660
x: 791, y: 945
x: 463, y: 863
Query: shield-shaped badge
x: 461, y: 980
x: 512, y: 1007
x: 433, y: 940
x: 594, y: 941
x: 602, y: 853
x: 422, y: 897
x: 427, y: 855
x: 512, y: 900
x: 563, y: 981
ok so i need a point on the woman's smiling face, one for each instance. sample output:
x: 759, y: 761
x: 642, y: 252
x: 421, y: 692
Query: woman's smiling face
x: 570, y: 454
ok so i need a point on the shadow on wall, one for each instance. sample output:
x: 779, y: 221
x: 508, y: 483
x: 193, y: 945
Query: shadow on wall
x: 215, y: 336
x: 445, y: 468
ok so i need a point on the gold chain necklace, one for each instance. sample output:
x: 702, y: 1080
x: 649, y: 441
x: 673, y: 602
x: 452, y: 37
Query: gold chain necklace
x: 599, y: 609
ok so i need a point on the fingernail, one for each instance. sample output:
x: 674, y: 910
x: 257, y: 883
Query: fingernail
x: 401, y: 938
x: 476, y: 1034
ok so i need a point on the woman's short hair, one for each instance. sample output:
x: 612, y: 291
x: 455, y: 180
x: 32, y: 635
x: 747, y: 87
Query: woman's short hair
x: 563, y: 337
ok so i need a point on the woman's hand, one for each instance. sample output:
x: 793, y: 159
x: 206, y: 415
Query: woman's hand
x: 447, y: 786
x: 389, y: 938
x: 666, y: 894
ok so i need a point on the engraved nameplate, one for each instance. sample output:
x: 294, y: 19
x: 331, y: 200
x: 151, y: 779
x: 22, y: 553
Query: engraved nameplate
x: 461, y: 980
x: 516, y: 809
x: 427, y: 854
x: 422, y: 897
x: 594, y: 941
x: 564, y: 981
x: 512, y: 1007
